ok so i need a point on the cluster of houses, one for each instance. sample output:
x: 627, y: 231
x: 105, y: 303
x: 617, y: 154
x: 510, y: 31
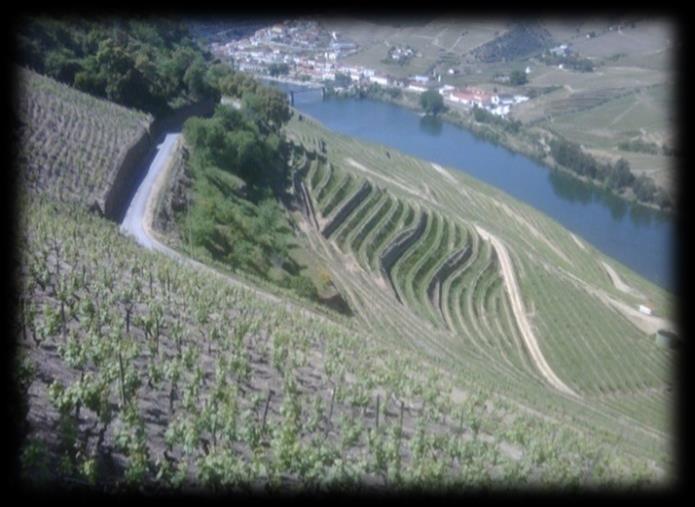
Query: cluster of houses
x: 498, y: 104
x: 400, y: 53
x: 312, y: 54
x: 291, y: 42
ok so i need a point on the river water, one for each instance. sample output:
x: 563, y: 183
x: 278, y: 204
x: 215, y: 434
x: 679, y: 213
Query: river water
x: 636, y: 236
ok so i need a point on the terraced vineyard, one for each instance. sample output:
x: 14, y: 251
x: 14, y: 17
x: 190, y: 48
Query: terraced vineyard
x: 139, y: 370
x: 71, y: 143
x: 409, y: 256
x: 489, y: 346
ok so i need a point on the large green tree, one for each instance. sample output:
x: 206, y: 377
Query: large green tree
x: 432, y: 102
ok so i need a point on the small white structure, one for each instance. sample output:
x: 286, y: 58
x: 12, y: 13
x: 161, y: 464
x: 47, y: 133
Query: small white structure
x: 381, y: 80
x: 417, y: 88
x: 421, y: 79
x: 645, y: 310
x: 528, y: 70
x: 500, y: 110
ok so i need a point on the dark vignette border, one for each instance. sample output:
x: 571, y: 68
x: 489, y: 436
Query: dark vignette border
x: 379, y: 10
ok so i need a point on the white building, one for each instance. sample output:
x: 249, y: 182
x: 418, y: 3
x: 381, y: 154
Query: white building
x: 381, y: 80
x: 417, y: 88
x: 421, y: 79
x: 500, y: 110
x: 444, y: 90
x: 518, y: 99
x: 645, y: 310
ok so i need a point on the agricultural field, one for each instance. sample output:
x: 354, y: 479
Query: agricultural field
x: 140, y: 371
x: 435, y: 41
x: 601, y: 121
x: 71, y: 143
x: 438, y: 284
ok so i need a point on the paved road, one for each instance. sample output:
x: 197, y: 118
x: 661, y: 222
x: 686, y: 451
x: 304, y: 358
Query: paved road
x: 140, y: 216
x: 134, y: 221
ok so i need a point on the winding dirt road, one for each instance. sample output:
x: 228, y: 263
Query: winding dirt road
x: 520, y: 314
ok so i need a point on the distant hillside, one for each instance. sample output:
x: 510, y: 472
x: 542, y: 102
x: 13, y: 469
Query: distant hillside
x: 522, y: 40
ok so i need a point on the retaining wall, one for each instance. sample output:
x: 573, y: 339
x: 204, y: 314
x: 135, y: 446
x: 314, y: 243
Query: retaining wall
x: 397, y: 247
x: 455, y: 260
x: 354, y: 201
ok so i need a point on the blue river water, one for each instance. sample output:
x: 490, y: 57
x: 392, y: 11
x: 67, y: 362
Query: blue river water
x: 638, y: 237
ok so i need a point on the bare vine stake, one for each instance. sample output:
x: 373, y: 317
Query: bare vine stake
x: 122, y: 374
x: 377, y: 411
x: 400, y: 431
x: 330, y: 412
x: 265, y: 411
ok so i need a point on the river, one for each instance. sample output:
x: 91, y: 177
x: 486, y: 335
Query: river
x: 639, y: 237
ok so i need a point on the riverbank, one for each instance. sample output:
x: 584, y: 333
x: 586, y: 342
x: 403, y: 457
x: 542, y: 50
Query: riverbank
x: 306, y: 84
x: 526, y: 142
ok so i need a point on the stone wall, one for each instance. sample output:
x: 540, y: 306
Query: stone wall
x: 455, y: 260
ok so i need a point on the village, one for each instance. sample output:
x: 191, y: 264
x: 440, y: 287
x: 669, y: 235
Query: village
x: 300, y: 51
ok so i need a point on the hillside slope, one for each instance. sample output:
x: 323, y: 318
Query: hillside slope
x: 140, y: 370
x: 444, y: 293
x: 71, y: 144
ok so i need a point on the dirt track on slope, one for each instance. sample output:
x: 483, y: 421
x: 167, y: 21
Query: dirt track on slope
x: 618, y: 282
x: 520, y: 314
x: 408, y: 189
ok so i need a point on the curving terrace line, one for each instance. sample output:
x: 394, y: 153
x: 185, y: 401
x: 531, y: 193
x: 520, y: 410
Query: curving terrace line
x: 398, y: 246
x: 347, y: 208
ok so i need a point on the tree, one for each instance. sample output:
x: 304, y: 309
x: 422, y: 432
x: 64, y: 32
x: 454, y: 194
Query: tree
x: 194, y: 79
x: 343, y: 80
x: 620, y: 176
x: 278, y: 69
x: 518, y: 78
x: 644, y: 188
x: 432, y: 102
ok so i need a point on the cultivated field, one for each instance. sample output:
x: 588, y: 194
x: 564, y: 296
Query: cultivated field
x: 70, y: 143
x: 410, y: 259
x: 140, y: 370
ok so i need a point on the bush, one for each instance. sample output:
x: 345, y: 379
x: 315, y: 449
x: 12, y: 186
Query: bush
x: 518, y: 78
x: 303, y: 287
